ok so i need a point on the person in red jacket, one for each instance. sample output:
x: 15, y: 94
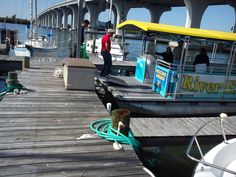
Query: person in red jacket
x: 105, y: 51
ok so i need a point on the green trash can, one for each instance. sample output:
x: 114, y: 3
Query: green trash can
x: 84, y: 52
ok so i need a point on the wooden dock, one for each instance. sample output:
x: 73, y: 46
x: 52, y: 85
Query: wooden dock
x: 46, y: 131
x: 179, y: 127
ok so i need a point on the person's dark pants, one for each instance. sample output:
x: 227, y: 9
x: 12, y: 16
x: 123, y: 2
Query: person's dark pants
x: 107, y: 63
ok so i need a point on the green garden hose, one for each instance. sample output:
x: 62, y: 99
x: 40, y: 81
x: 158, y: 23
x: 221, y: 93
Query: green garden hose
x: 104, y: 129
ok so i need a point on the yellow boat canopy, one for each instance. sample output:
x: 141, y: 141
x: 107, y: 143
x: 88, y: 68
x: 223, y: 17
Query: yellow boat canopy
x: 195, y: 32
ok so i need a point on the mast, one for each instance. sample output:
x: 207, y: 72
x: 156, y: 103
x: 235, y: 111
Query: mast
x: 36, y: 12
x: 31, y: 19
x: 36, y: 17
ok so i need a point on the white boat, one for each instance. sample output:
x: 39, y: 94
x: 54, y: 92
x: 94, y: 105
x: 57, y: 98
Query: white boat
x: 117, y: 53
x: 220, y: 161
x: 21, y: 50
x: 42, y: 46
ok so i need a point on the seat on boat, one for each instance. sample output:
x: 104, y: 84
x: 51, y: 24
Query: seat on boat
x: 201, y: 68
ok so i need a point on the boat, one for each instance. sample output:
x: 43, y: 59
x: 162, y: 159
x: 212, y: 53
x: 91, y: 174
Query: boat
x: 160, y: 88
x: 94, y: 45
x: 35, y: 45
x: 117, y: 52
x: 220, y: 161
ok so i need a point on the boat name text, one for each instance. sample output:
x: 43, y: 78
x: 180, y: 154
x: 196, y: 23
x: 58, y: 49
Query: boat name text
x: 194, y: 84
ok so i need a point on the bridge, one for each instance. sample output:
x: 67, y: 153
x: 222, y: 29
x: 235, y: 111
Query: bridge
x: 57, y: 16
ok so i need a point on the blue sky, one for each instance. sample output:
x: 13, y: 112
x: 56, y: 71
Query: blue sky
x: 212, y: 19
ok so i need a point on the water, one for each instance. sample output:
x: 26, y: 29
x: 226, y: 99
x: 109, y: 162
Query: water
x: 168, y: 157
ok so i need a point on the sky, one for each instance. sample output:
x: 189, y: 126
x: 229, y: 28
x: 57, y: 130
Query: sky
x: 215, y: 17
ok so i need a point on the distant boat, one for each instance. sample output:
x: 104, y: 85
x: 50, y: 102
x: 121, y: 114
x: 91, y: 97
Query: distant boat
x: 117, y: 53
x: 42, y: 46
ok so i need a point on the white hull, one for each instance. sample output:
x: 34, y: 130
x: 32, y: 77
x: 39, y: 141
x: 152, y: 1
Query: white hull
x: 39, y: 52
x: 223, y: 155
x: 220, y: 161
x: 116, y: 52
x: 44, y: 52
x: 21, y: 52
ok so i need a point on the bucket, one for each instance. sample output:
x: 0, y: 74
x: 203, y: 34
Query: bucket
x: 121, y: 115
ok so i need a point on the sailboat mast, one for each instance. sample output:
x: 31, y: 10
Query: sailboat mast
x: 36, y: 17
x: 31, y: 18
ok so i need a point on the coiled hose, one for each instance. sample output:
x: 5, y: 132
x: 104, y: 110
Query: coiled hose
x: 104, y: 129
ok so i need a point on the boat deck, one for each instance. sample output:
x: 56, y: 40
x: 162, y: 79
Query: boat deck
x: 116, y: 65
x: 46, y: 131
x: 127, y: 88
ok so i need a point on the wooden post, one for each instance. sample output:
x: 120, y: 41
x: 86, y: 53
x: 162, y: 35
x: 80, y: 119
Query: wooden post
x: 25, y: 63
x: 12, y: 79
x: 94, y: 43
x: 79, y: 28
x: 121, y: 115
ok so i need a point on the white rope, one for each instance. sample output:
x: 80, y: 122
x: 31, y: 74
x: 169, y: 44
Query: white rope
x: 58, y: 73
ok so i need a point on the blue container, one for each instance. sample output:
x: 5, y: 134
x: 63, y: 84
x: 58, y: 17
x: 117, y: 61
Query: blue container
x: 140, y: 69
x: 145, y: 68
x: 164, y: 81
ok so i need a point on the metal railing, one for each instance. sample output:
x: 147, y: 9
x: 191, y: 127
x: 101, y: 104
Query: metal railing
x: 194, y: 139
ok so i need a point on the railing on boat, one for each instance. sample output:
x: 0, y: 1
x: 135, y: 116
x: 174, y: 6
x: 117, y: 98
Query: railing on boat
x: 214, y: 68
x: 194, y: 139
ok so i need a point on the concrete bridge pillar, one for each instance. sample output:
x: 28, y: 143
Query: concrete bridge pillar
x: 42, y: 20
x: 114, y: 10
x: 234, y: 30
x: 53, y: 16
x: 122, y: 8
x: 232, y: 3
x: 195, y: 11
x: 94, y: 11
x: 74, y: 9
x: 65, y: 12
x: 45, y: 20
x: 156, y: 12
x: 48, y: 19
x: 59, y: 16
